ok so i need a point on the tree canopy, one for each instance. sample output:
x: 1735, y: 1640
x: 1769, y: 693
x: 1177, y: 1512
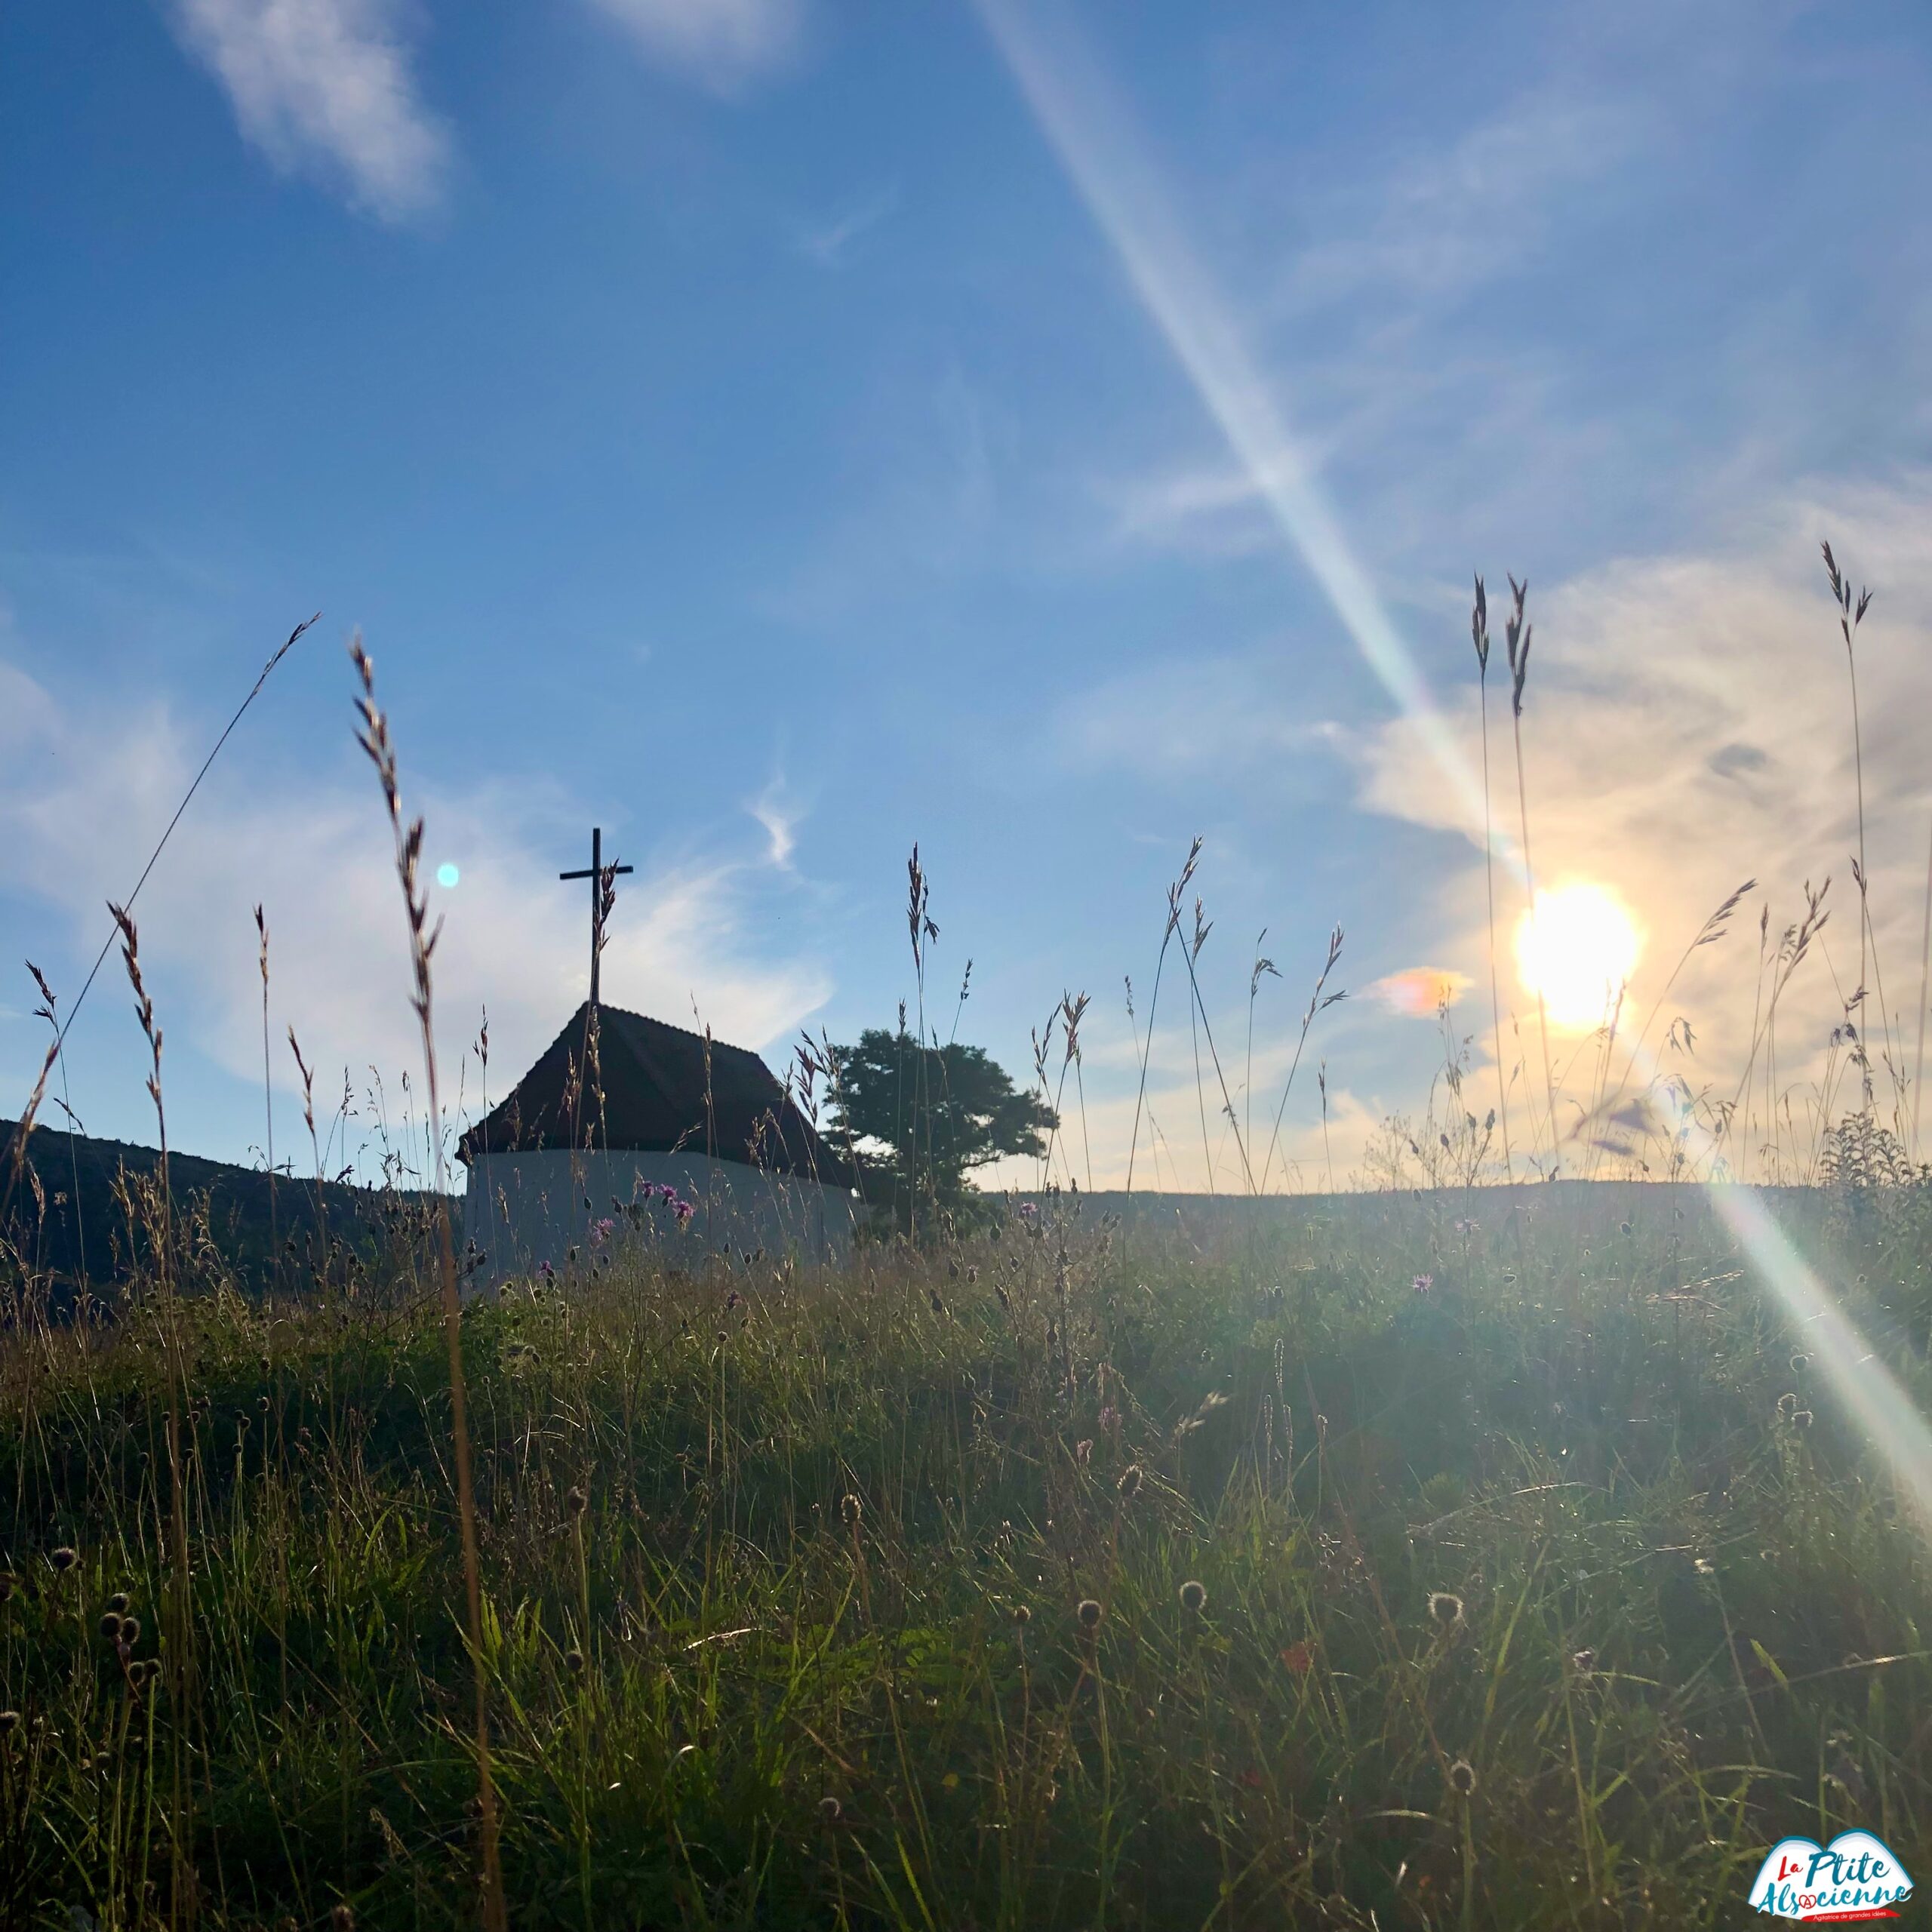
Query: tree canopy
x: 921, y: 1118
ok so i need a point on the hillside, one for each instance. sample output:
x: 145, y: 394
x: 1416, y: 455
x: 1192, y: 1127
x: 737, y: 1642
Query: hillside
x: 261, y: 1231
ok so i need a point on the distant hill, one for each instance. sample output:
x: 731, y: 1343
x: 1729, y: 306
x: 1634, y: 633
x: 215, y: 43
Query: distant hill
x: 262, y: 1232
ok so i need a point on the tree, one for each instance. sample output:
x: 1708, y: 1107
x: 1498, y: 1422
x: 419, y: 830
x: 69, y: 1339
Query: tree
x: 920, y: 1118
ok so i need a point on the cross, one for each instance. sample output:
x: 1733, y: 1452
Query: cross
x: 599, y: 876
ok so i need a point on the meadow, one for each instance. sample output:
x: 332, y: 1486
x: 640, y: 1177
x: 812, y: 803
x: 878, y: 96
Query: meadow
x: 1364, y: 1569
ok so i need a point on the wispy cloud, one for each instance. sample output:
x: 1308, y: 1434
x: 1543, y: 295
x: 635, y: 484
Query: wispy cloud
x: 721, y: 44
x: 780, y: 822
x: 1180, y: 716
x: 316, y: 853
x: 828, y: 244
x: 324, y: 88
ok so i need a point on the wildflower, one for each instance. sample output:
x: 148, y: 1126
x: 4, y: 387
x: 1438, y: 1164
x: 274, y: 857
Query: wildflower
x: 64, y: 1558
x: 549, y: 1273
x: 1193, y: 1597
x: 1423, y: 1284
x: 1021, y: 1615
x: 1029, y: 1213
x: 1129, y: 1485
x: 851, y: 1509
x: 575, y: 1500
x: 829, y: 1810
x: 734, y: 1300
x: 1462, y: 1777
x: 1800, y: 1363
x: 683, y: 1210
x: 1445, y: 1609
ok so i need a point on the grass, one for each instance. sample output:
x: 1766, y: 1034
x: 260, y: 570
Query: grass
x: 1525, y: 1599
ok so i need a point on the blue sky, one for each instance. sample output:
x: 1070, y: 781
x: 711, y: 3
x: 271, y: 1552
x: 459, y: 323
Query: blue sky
x: 741, y: 424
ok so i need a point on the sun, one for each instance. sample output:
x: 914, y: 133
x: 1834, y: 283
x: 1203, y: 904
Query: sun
x: 1577, y: 950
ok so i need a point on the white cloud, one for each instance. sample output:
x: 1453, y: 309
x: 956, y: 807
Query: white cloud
x: 1688, y: 724
x: 317, y: 853
x: 721, y: 44
x: 324, y: 88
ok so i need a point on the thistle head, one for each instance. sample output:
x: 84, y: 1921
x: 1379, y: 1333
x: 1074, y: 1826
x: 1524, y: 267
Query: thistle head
x: 1193, y: 1597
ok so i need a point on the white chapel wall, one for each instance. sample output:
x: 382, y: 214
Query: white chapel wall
x: 522, y: 1209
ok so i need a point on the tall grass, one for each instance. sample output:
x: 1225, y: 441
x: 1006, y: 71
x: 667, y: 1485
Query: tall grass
x: 1520, y: 1602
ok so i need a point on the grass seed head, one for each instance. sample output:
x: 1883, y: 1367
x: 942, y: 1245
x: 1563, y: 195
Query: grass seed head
x: 1129, y: 1485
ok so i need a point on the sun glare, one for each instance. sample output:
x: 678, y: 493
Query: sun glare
x: 1575, y: 951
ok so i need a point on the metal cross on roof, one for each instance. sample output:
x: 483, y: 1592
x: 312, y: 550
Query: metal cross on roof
x: 603, y: 895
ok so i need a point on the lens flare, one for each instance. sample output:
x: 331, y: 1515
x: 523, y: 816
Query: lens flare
x: 447, y: 875
x: 1575, y: 950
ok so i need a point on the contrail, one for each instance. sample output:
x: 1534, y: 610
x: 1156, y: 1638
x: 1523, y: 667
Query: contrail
x: 1091, y: 133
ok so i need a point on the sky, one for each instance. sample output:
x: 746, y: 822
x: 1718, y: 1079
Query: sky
x: 777, y: 432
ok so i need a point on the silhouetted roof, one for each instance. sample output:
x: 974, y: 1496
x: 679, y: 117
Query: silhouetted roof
x: 648, y: 1094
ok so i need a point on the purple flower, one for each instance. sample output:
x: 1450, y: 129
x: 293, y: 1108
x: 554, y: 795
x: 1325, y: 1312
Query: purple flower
x: 601, y: 1231
x: 1423, y: 1283
x: 544, y: 1269
x: 1465, y: 1227
x: 1028, y: 1211
x: 683, y: 1210
x: 734, y: 1300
